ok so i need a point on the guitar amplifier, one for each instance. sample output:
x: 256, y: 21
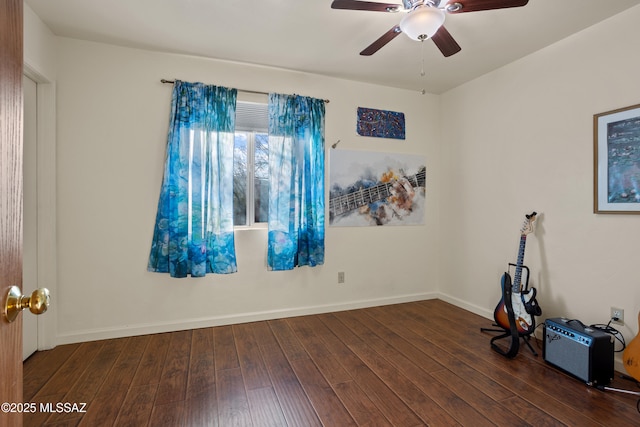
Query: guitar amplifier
x: 581, y: 351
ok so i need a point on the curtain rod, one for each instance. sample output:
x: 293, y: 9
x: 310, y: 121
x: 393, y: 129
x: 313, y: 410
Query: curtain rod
x: 326, y: 101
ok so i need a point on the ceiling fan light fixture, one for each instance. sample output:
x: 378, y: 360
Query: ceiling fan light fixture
x: 422, y: 22
x: 454, y: 7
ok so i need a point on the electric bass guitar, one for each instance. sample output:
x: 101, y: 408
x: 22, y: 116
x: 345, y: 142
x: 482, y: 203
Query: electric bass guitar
x: 523, y: 301
x: 631, y: 356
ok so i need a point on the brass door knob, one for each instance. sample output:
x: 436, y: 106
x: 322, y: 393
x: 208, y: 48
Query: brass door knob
x: 38, y: 302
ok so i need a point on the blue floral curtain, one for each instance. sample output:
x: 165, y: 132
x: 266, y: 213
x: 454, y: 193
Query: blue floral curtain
x: 296, y: 182
x: 194, y: 224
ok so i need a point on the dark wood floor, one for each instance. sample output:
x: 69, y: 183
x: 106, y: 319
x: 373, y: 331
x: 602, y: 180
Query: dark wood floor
x: 414, y: 364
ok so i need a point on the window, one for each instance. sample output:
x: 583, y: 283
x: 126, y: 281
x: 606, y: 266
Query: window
x: 251, y: 164
x: 193, y: 233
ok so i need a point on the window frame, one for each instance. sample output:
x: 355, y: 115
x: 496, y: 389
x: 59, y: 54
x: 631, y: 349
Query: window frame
x: 250, y: 204
x: 250, y: 132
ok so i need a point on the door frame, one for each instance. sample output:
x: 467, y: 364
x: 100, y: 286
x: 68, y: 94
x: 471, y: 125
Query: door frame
x: 46, y: 188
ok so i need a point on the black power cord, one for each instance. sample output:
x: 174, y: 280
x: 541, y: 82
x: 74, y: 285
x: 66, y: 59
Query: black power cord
x: 611, y: 331
x: 620, y: 338
x: 605, y: 328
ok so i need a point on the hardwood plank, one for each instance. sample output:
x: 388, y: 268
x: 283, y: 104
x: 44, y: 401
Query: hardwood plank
x: 343, y: 333
x: 39, y: 418
x: 173, y: 382
x: 530, y: 413
x: 152, y: 362
x: 106, y: 405
x: 378, y: 319
x: 326, y: 403
x: 87, y: 385
x: 42, y: 365
x: 327, y: 363
x: 168, y: 414
x: 361, y: 408
x: 137, y: 406
x: 202, y: 410
x: 63, y: 423
x: 201, y: 376
x: 265, y: 408
x: 295, y: 405
x: 385, y: 340
x: 70, y: 371
x: 253, y: 369
x: 393, y: 408
x: 233, y: 406
x: 263, y: 334
x: 226, y: 355
x: 498, y: 413
x: 126, y: 365
x: 104, y: 408
x: 88, y: 382
x: 287, y: 340
x: 439, y: 405
x: 414, y: 397
x: 355, y: 401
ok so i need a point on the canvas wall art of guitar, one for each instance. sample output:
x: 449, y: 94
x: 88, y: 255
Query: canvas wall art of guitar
x: 396, y: 190
x: 523, y: 301
x: 631, y: 356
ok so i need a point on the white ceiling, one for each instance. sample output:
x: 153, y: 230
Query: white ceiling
x: 309, y: 36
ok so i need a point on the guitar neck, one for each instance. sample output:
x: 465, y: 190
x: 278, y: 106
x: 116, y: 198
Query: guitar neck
x: 345, y: 203
x: 517, y: 285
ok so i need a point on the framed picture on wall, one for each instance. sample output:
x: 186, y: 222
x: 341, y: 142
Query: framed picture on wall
x: 380, y: 123
x: 616, y: 156
x: 373, y: 188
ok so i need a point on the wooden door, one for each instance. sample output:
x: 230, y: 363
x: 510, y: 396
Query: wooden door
x: 11, y: 37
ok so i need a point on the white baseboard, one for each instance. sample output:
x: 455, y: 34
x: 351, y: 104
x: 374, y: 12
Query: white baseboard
x: 480, y: 311
x: 155, y: 328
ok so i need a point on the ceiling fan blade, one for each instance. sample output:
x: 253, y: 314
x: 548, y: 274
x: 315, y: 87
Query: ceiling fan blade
x: 478, y: 5
x: 365, y: 5
x: 445, y: 42
x: 383, y: 40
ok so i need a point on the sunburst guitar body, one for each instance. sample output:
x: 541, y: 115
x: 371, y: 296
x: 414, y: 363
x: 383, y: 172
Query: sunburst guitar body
x: 631, y: 356
x: 525, y: 322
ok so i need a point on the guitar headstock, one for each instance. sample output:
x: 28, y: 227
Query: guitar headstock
x: 527, y: 226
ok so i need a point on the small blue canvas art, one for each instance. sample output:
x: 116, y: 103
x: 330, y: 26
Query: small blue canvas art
x: 380, y: 123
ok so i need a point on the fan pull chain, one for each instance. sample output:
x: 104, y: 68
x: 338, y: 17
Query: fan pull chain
x: 422, y: 73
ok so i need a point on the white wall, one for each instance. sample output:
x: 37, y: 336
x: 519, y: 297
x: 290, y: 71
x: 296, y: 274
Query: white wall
x: 39, y: 45
x: 521, y: 139
x: 112, y: 123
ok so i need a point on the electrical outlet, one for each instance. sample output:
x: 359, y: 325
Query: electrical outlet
x: 617, y: 313
x: 340, y: 276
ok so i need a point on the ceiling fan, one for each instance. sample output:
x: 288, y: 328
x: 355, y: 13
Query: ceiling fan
x: 424, y: 19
